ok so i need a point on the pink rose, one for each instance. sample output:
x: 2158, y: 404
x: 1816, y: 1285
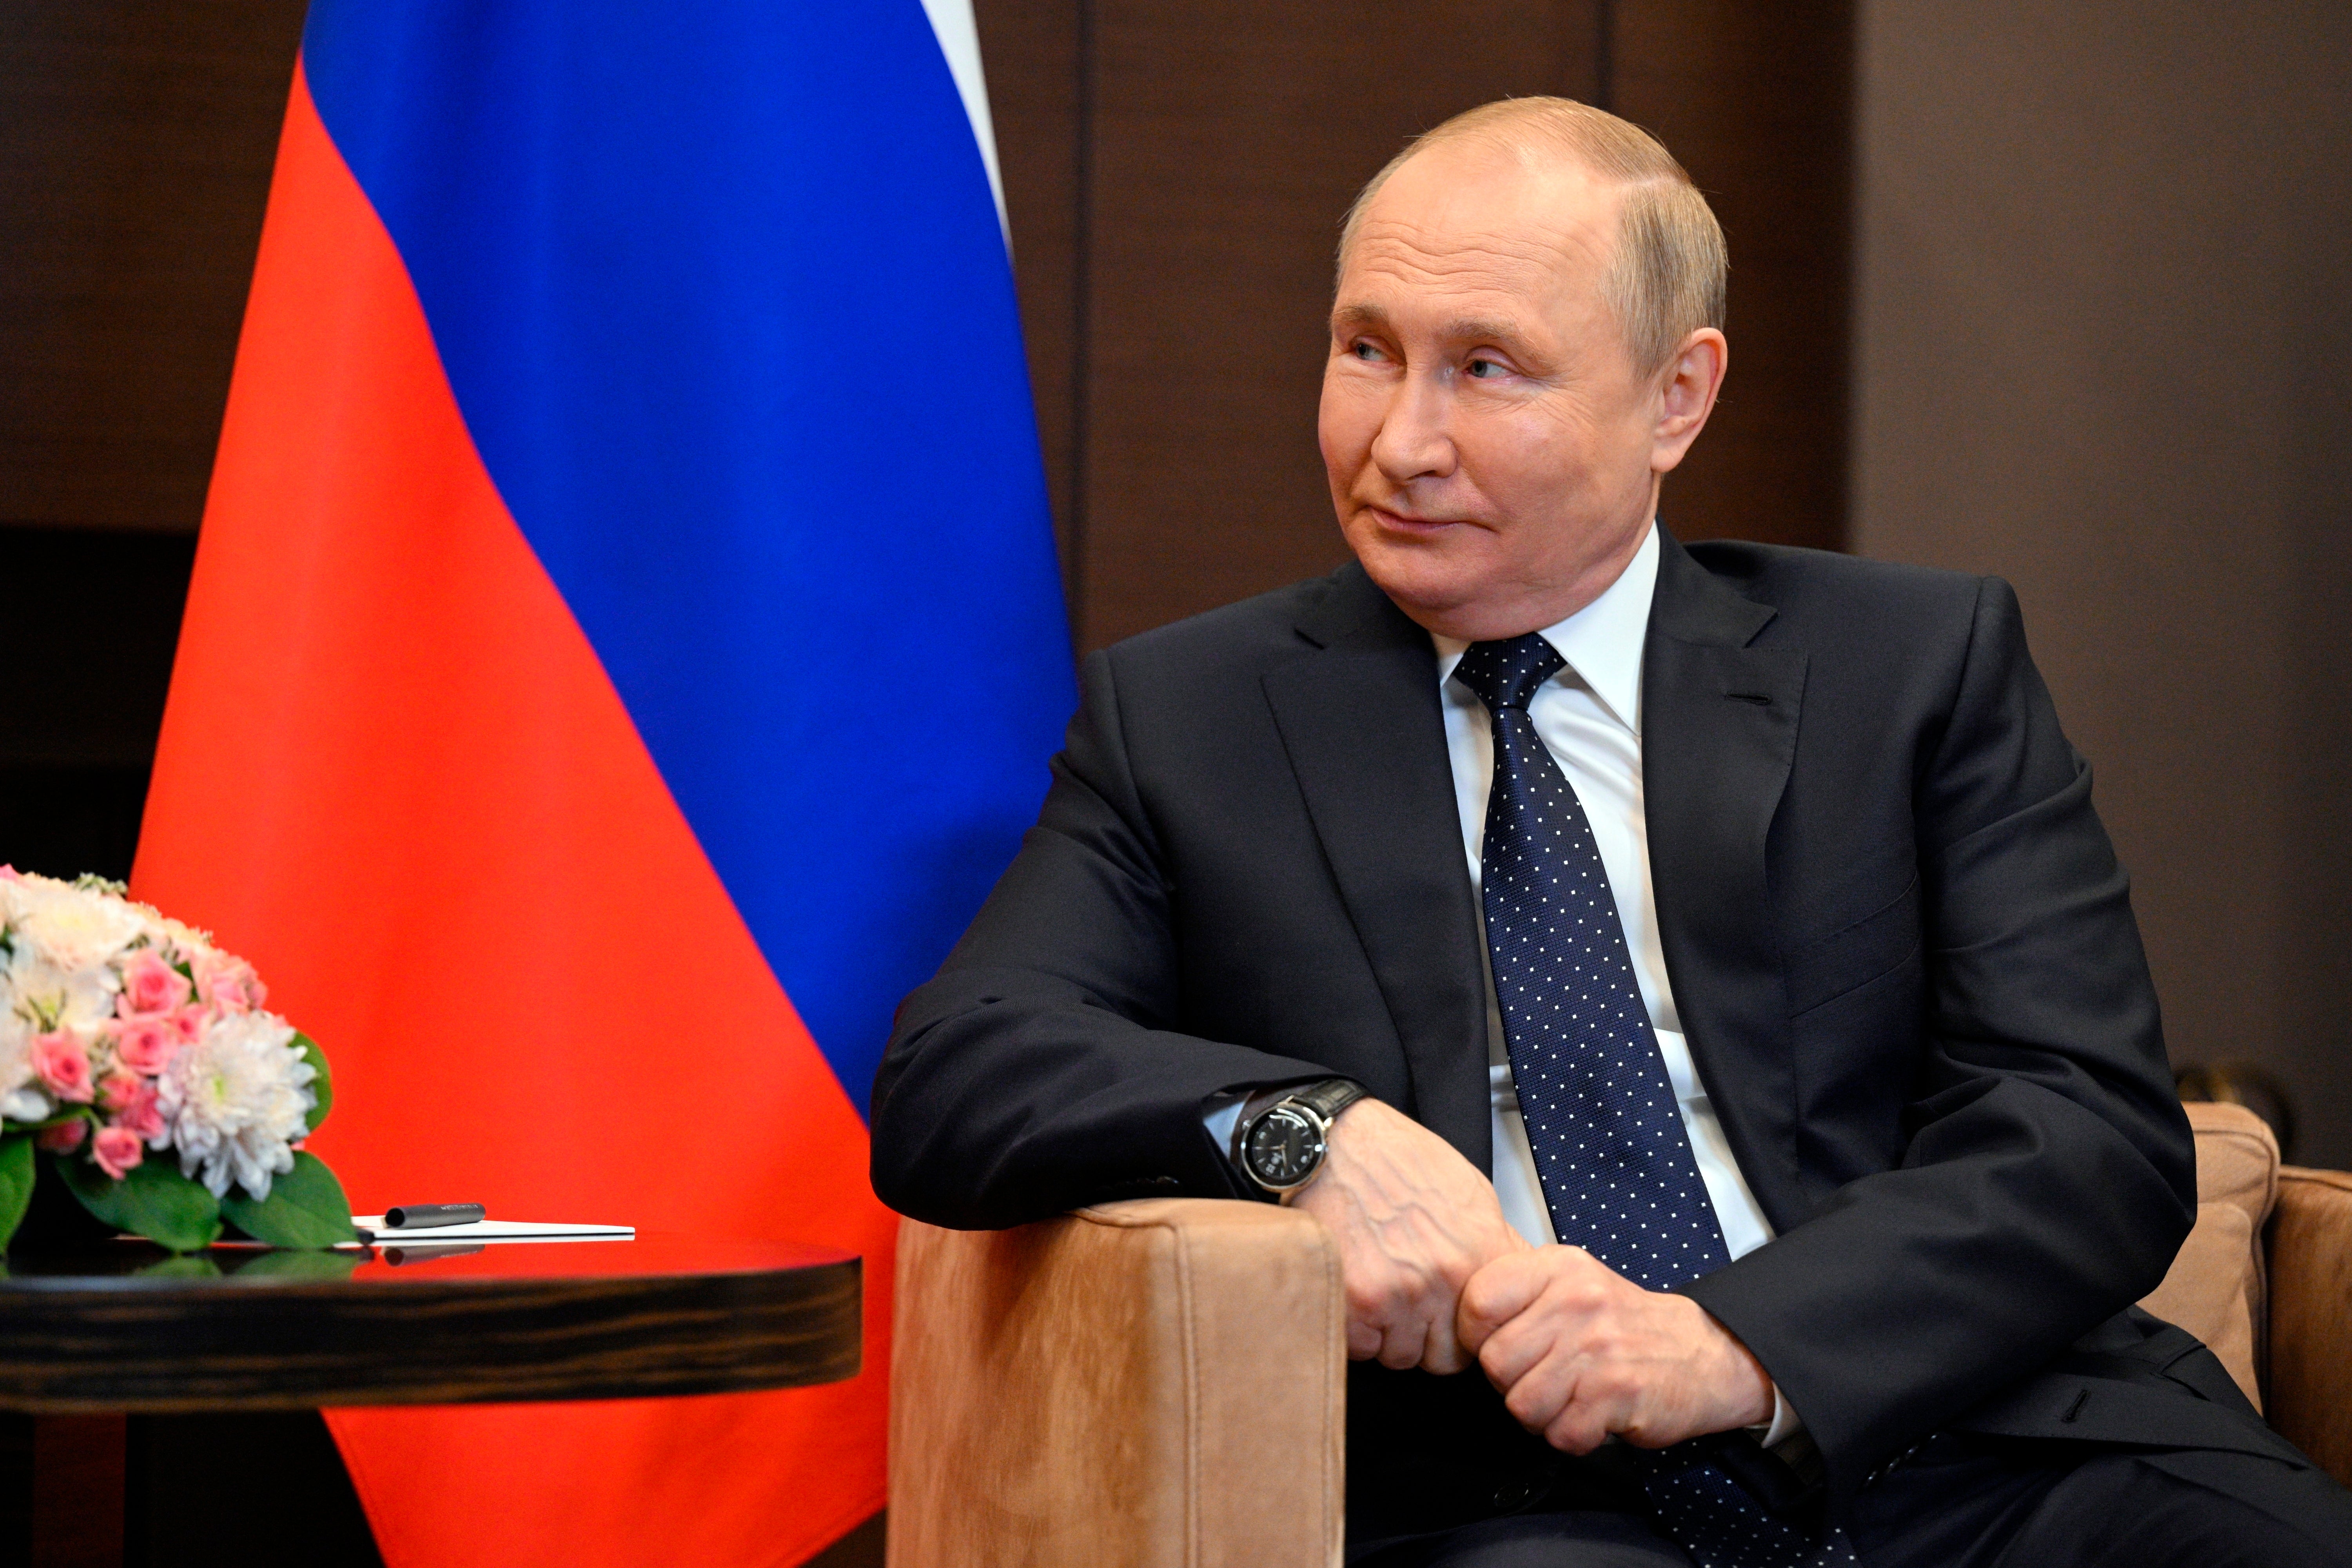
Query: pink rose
x: 137, y: 1111
x: 63, y: 1138
x: 188, y: 1022
x: 147, y: 1045
x: 63, y: 1066
x: 117, y: 1151
x: 150, y: 985
x: 229, y: 984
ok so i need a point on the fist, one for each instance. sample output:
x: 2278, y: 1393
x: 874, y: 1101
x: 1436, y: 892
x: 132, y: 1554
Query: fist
x: 1580, y: 1352
x: 1414, y: 1221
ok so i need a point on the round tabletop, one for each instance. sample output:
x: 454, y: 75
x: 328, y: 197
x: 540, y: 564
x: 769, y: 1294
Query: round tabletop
x: 126, y: 1327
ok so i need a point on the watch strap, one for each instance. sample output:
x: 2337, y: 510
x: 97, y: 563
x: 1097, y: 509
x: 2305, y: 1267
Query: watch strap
x: 1330, y: 1097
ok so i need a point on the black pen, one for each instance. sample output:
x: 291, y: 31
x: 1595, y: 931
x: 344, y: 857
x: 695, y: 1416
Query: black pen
x: 426, y: 1216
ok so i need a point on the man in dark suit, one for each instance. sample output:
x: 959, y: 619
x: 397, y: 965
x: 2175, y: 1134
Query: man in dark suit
x: 1691, y: 984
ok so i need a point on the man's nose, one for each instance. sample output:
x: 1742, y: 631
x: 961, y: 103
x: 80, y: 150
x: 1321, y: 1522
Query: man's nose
x: 1414, y: 441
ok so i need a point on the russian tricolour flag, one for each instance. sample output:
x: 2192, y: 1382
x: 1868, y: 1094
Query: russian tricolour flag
x: 624, y: 646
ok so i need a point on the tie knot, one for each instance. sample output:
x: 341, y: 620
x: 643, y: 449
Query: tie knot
x: 1505, y: 674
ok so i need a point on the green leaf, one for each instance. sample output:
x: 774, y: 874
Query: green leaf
x: 306, y: 1207
x: 154, y: 1200
x: 15, y: 1183
x: 323, y: 1086
x: 300, y: 1265
x: 197, y: 1268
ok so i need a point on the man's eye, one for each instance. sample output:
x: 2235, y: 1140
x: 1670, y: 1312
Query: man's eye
x: 1363, y: 350
x: 1485, y: 369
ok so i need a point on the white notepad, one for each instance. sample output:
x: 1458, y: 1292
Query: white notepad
x: 371, y: 1224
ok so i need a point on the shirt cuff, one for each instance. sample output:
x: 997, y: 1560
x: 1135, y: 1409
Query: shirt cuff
x: 1219, y: 1113
x: 1785, y: 1424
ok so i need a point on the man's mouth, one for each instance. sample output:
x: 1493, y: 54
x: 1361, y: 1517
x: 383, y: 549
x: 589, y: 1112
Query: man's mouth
x: 1412, y: 525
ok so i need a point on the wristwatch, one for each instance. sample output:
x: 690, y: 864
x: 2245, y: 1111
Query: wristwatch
x: 1281, y: 1147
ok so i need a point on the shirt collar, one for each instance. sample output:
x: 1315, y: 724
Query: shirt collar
x: 1601, y: 642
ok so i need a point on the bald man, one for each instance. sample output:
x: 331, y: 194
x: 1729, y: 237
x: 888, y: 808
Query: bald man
x: 1691, y: 984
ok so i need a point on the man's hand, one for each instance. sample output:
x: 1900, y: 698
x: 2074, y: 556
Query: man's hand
x: 1414, y: 1221
x: 1579, y: 1351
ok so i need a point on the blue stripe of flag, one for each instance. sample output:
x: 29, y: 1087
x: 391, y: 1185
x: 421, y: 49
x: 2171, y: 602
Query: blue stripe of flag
x: 721, y: 293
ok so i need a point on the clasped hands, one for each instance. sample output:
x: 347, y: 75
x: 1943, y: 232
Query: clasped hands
x: 1435, y: 1277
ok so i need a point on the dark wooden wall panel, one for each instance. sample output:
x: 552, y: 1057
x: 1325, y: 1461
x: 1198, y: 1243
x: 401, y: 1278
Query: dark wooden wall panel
x: 1031, y: 51
x: 1758, y: 102
x: 135, y: 146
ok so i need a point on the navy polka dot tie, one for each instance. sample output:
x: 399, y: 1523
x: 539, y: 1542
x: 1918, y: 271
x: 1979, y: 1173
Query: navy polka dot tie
x: 1618, y: 1175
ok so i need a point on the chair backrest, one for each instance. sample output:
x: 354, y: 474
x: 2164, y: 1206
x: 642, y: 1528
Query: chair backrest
x: 2216, y: 1289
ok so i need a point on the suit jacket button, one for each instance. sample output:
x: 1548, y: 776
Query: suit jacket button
x: 1511, y: 1494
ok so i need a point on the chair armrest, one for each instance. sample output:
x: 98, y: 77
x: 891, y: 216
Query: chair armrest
x: 2311, y: 1315
x: 1155, y: 1381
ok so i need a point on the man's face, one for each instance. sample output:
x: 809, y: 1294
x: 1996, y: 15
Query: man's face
x: 1492, y: 454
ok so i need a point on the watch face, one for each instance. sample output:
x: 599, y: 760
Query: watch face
x: 1284, y: 1148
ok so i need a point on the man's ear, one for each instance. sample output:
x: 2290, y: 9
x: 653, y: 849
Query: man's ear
x: 1687, y: 391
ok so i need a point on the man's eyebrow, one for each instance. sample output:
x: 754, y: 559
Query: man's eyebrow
x: 1481, y: 329
x: 1462, y: 329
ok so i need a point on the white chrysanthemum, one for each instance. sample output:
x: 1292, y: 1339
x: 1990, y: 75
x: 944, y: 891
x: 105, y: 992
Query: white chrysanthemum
x: 74, y: 928
x: 20, y: 1098
x: 186, y: 937
x: 47, y: 996
x: 235, y: 1102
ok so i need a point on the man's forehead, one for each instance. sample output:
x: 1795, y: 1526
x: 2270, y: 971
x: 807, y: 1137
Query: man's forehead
x: 1463, y: 267
x: 1464, y: 229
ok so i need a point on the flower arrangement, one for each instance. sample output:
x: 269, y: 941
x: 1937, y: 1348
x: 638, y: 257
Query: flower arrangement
x: 137, y: 1062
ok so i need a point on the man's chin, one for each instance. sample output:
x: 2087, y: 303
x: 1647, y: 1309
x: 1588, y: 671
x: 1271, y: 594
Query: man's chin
x: 1429, y: 582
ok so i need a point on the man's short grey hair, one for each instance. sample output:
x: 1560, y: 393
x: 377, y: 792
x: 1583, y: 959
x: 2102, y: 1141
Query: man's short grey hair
x: 1667, y: 279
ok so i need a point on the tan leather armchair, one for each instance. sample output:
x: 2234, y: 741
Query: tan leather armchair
x: 1161, y: 1382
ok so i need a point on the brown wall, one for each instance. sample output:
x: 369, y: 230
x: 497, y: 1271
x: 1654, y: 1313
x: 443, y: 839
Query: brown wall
x: 135, y: 146
x: 2105, y: 331
x: 1176, y: 170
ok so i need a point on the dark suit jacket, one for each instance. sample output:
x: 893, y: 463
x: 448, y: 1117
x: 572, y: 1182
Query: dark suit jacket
x: 1902, y: 949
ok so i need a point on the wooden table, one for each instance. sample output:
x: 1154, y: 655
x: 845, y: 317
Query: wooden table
x: 90, y: 1337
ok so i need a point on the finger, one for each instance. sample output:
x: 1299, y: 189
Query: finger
x: 1376, y: 1303
x: 1539, y: 1394
x: 1511, y: 1351
x: 1499, y: 1292
x: 1577, y: 1429
x: 1403, y: 1347
x: 1601, y: 1400
x: 1442, y: 1352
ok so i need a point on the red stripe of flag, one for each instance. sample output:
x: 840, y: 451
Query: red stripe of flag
x: 394, y: 774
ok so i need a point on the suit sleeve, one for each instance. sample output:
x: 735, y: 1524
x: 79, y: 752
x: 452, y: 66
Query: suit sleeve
x: 2048, y: 1175
x: 1036, y: 1071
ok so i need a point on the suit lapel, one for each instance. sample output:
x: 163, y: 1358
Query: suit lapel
x: 1718, y: 735
x: 1360, y: 723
